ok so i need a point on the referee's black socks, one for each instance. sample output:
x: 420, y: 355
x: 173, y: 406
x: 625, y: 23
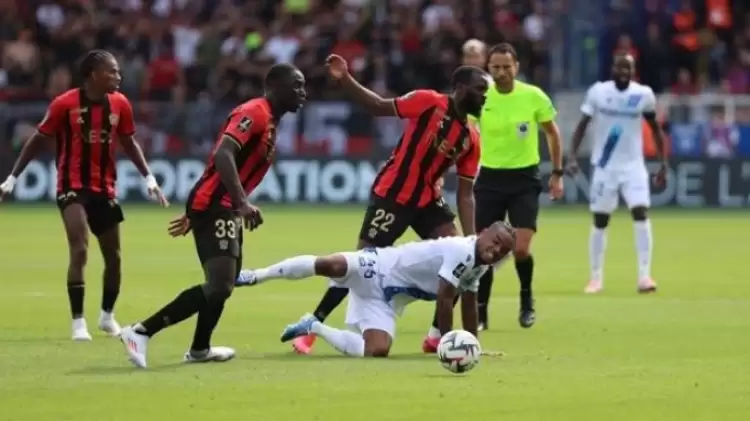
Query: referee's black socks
x: 525, y: 271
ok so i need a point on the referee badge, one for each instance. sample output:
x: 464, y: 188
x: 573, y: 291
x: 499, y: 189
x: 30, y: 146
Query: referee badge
x: 522, y: 129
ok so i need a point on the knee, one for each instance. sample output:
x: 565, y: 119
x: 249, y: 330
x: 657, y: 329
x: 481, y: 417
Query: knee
x: 112, y: 259
x: 79, y: 253
x: 639, y: 213
x: 601, y: 220
x: 335, y: 266
x: 377, y: 351
x: 218, y: 292
x: 521, y: 253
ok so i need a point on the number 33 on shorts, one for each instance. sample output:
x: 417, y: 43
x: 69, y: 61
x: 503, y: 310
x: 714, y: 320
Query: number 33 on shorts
x: 227, y: 228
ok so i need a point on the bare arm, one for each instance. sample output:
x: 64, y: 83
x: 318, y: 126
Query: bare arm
x: 374, y: 103
x: 658, y: 135
x: 30, y: 150
x: 554, y: 142
x: 227, y: 168
x: 469, y: 312
x: 135, y: 153
x: 578, y: 134
x: 446, y: 293
x: 465, y: 203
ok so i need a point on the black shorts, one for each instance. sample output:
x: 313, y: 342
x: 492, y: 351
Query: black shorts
x: 217, y: 233
x: 512, y: 194
x: 102, y: 213
x: 386, y: 221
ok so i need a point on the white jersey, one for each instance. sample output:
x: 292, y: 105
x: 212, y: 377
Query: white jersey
x: 617, y: 119
x: 413, y: 271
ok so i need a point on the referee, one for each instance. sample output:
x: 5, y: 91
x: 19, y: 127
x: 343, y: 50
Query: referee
x: 509, y: 183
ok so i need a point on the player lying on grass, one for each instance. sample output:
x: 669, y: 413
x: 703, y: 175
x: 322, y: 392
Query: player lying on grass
x: 382, y: 281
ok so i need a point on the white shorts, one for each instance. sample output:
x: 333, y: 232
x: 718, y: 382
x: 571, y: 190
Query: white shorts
x: 606, y: 186
x: 367, y: 308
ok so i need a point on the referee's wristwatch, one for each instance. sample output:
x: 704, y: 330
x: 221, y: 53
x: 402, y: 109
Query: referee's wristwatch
x: 558, y: 172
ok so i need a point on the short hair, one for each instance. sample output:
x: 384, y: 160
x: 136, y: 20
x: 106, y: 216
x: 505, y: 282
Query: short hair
x: 277, y: 73
x: 464, y: 74
x: 474, y: 46
x: 91, y: 61
x: 503, y: 48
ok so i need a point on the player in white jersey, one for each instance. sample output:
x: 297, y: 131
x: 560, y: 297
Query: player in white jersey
x: 617, y: 108
x: 382, y: 281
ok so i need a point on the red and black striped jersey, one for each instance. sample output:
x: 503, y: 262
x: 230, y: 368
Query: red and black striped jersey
x: 86, y: 132
x: 251, y: 125
x: 435, y: 138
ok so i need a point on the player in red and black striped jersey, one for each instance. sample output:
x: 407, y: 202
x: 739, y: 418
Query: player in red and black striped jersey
x: 406, y: 193
x: 217, y: 211
x: 86, y: 124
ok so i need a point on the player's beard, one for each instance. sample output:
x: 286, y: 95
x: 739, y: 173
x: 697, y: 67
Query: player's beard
x: 472, y: 107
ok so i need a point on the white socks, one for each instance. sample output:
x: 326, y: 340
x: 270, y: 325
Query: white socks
x: 643, y: 247
x: 346, y: 342
x: 299, y: 267
x: 597, y: 246
x: 434, y: 333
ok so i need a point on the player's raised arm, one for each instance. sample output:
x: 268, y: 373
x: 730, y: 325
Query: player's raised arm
x: 374, y: 103
x: 126, y: 135
x: 45, y: 133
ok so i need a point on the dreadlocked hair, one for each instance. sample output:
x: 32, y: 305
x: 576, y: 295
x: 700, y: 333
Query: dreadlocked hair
x: 91, y: 60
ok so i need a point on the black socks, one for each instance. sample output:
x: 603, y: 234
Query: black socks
x: 189, y: 302
x: 332, y: 298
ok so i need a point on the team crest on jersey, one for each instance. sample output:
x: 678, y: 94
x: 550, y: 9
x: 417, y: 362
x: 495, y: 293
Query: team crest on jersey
x: 522, y: 129
x: 113, y: 119
x: 244, y: 125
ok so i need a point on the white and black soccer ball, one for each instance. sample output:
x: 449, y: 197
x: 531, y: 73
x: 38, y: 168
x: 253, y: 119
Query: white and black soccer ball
x: 459, y: 351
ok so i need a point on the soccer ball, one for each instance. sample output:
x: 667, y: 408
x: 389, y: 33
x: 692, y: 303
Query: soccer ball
x: 459, y: 351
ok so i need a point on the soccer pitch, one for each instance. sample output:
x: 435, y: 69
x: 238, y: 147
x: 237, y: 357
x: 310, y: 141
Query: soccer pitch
x: 682, y: 354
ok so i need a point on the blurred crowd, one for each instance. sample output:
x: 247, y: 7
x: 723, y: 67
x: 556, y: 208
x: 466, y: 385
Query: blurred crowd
x: 189, y: 49
x: 185, y: 63
x: 683, y: 46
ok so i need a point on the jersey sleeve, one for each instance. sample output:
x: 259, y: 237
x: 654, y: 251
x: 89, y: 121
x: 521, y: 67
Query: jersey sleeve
x: 414, y: 103
x: 53, y: 119
x: 457, y: 263
x: 243, y: 124
x: 589, y: 102
x: 545, y: 110
x: 649, y: 102
x: 467, y: 165
x: 126, y: 125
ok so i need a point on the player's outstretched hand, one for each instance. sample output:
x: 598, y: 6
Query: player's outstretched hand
x: 660, y: 178
x: 6, y: 188
x: 179, y: 226
x: 336, y: 66
x: 251, y: 216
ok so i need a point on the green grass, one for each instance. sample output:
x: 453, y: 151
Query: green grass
x: 682, y: 354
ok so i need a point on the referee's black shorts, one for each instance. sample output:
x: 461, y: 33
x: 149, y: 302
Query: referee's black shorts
x: 507, y: 193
